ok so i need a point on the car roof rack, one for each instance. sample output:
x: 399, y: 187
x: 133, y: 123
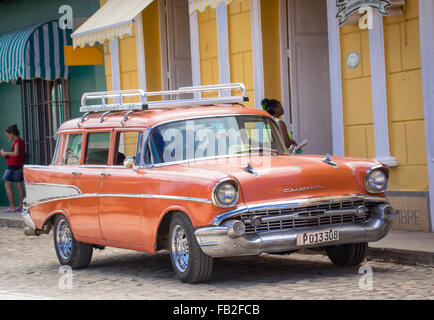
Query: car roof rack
x: 224, y: 97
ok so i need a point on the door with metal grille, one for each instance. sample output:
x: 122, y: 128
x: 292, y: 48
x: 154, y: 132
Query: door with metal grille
x: 45, y: 106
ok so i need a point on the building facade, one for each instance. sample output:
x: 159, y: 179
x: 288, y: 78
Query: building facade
x: 38, y: 89
x: 359, y: 89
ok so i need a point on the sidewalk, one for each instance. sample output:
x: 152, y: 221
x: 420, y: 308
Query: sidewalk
x: 406, y: 247
x: 11, y: 220
x: 409, y: 247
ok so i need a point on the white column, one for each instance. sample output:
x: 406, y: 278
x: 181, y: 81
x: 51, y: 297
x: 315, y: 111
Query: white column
x: 335, y: 79
x: 163, y: 46
x: 379, y: 92
x: 258, y: 64
x: 223, y: 45
x: 284, y: 63
x: 195, y: 53
x: 140, y: 48
x: 114, y: 59
x: 426, y: 27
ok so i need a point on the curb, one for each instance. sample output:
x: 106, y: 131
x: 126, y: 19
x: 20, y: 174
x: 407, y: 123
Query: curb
x: 417, y: 258
x: 11, y: 223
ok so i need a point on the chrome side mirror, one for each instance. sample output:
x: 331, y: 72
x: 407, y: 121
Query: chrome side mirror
x: 129, y: 163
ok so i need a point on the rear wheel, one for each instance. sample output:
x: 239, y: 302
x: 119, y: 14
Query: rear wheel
x: 68, y: 250
x: 188, y: 260
x: 352, y: 254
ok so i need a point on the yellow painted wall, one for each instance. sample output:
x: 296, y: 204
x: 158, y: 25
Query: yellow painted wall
x: 356, y: 95
x: 151, y: 34
x: 209, y: 64
x: 240, y: 46
x: 128, y: 56
x: 127, y: 64
x: 271, y: 48
x: 404, y: 98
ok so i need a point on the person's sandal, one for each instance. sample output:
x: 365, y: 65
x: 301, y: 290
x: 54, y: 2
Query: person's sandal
x: 9, y: 210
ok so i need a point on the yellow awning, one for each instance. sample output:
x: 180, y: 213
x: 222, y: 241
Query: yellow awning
x: 201, y: 5
x: 114, y: 19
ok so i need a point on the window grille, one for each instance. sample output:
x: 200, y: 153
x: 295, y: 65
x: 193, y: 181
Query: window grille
x: 45, y: 106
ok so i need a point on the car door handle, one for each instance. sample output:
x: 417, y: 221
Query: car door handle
x: 75, y: 172
x: 105, y: 174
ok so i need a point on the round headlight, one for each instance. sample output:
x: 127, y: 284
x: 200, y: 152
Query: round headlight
x: 376, y: 181
x: 225, y: 194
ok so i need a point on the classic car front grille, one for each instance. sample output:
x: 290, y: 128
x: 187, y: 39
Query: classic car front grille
x: 310, y: 216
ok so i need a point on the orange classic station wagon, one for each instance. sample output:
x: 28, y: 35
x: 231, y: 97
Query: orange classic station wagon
x: 202, y: 176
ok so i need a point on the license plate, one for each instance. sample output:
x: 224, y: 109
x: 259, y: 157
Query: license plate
x: 317, y: 237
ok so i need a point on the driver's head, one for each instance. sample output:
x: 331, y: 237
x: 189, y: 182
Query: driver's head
x: 273, y: 107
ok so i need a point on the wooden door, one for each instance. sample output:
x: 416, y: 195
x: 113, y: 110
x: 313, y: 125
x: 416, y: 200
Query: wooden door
x: 309, y: 74
x: 177, y: 44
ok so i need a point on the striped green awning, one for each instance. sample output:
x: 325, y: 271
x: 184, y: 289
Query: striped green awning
x: 34, y: 52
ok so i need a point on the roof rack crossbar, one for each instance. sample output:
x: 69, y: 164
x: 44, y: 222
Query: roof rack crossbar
x: 119, y: 95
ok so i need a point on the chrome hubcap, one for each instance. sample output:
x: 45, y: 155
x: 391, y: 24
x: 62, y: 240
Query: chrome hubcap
x: 180, y: 249
x: 64, y: 239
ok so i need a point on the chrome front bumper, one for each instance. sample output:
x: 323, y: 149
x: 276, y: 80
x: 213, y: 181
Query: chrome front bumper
x: 220, y: 241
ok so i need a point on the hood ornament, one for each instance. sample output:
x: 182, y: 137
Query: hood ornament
x: 328, y: 160
x: 250, y: 169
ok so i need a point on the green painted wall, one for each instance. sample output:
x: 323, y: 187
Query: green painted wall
x: 18, y: 14
x: 10, y: 113
x: 84, y: 79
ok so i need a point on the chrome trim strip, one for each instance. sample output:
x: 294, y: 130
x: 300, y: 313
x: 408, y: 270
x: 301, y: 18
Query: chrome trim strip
x: 152, y: 196
x: 42, y: 192
x: 53, y: 185
x: 164, y: 164
x: 118, y: 195
x: 295, y: 203
x: 36, y: 166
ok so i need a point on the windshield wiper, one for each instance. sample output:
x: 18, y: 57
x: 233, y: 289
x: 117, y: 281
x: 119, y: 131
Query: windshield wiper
x: 260, y: 149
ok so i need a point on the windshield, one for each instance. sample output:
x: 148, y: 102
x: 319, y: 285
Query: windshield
x: 215, y: 137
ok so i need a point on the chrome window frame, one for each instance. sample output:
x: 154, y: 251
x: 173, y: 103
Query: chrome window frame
x: 56, y: 149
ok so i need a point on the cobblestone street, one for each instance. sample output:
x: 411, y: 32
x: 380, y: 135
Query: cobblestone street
x: 29, y: 270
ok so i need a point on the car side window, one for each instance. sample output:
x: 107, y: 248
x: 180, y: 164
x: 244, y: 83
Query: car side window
x: 128, y: 145
x: 72, y: 152
x: 98, y: 146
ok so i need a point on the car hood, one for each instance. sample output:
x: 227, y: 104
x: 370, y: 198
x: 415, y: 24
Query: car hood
x: 276, y: 178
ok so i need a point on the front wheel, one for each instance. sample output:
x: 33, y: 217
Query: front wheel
x: 352, y: 254
x: 68, y: 250
x: 188, y: 260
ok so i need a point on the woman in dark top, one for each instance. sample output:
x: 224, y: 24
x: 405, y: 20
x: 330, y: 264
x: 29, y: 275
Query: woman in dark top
x: 275, y: 109
x: 15, y: 164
